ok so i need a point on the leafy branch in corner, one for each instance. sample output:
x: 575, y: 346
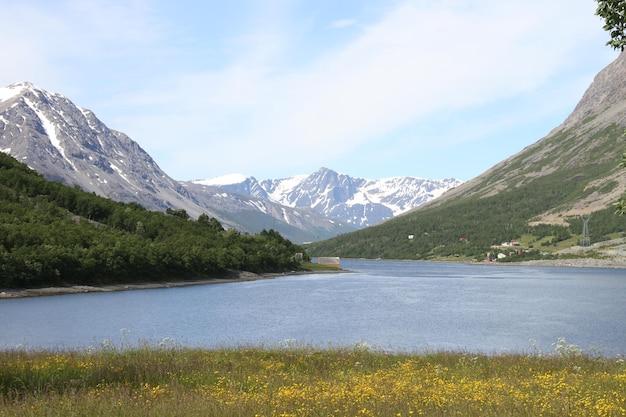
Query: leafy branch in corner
x: 614, y: 14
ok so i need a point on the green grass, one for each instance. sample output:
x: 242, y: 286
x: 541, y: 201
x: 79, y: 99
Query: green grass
x: 301, y: 381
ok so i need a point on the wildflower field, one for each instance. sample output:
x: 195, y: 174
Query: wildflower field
x: 301, y: 381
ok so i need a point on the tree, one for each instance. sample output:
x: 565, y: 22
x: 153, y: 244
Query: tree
x: 211, y: 222
x: 182, y: 213
x: 614, y: 14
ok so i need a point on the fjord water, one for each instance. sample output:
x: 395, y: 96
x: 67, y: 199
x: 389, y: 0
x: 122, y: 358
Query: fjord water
x: 397, y: 306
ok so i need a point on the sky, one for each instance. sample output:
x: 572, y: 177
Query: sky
x: 275, y: 88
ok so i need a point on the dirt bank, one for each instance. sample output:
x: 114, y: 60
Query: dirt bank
x: 574, y: 263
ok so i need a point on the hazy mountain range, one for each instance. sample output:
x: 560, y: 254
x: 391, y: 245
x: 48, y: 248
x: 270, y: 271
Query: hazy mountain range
x: 70, y: 144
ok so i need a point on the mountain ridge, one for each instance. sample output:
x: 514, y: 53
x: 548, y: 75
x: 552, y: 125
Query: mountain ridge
x: 352, y: 200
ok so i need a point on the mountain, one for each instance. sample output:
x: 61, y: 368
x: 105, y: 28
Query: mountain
x: 69, y: 144
x: 588, y: 144
x: 356, y: 201
x: 235, y: 183
x: 536, y: 196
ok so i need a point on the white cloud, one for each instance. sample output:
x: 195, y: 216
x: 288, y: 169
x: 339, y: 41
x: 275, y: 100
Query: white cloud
x: 415, y: 62
x: 72, y: 46
x: 419, y: 63
x: 342, y: 23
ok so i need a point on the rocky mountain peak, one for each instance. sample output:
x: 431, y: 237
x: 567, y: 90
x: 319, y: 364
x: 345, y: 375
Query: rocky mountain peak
x: 585, y: 150
x: 352, y: 200
x: 15, y: 89
x: 608, y: 89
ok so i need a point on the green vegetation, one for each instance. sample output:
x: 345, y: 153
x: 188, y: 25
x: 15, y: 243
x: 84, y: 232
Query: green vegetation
x: 299, y: 381
x: 614, y: 14
x: 51, y: 234
x: 620, y: 204
x: 467, y: 226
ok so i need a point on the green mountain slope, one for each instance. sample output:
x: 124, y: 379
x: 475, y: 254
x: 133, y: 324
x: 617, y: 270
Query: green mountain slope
x: 536, y: 197
x: 51, y: 234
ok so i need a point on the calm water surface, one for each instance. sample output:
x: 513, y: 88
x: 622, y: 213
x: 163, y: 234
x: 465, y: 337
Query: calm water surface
x: 399, y: 306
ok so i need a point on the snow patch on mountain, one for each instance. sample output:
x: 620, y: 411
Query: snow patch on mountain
x: 50, y: 130
x: 257, y: 205
x: 120, y: 172
x: 223, y: 180
x: 276, y: 189
x: 10, y: 91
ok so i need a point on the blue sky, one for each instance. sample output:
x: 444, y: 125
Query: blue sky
x: 274, y: 88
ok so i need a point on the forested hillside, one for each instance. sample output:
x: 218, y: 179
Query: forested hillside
x: 470, y: 225
x: 468, y: 228
x: 51, y: 234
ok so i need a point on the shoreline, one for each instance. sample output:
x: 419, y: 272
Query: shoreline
x: 564, y: 263
x: 235, y: 276
x: 245, y: 276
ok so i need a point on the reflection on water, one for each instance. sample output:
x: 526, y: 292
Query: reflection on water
x: 399, y: 306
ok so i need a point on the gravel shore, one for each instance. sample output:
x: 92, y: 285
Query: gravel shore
x: 235, y: 276
x: 611, y: 254
x: 574, y: 263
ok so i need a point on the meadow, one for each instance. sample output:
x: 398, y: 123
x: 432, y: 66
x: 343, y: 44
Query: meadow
x: 165, y: 380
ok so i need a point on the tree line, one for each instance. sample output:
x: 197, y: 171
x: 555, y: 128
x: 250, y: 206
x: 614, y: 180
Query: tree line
x: 52, y: 234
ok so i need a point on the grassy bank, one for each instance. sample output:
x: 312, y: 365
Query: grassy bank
x: 165, y: 381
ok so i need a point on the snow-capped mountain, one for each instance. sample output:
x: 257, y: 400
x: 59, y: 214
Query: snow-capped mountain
x: 357, y: 201
x: 66, y: 143
x: 236, y: 183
